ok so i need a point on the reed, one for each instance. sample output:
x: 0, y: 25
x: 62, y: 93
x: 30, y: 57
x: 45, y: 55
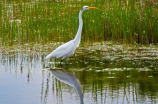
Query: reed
x: 125, y: 21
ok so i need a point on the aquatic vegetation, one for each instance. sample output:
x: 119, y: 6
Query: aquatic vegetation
x: 44, y: 21
x: 98, y: 54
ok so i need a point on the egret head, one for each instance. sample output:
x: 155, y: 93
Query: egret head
x: 87, y: 8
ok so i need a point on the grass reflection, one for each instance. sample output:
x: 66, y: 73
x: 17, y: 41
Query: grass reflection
x: 119, y: 86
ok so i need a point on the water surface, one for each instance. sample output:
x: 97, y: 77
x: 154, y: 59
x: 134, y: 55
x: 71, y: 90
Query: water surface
x: 97, y: 76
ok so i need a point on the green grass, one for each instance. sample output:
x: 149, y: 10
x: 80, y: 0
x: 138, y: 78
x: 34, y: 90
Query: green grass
x: 124, y: 21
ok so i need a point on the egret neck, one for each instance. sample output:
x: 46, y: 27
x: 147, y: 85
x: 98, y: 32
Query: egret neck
x: 77, y: 38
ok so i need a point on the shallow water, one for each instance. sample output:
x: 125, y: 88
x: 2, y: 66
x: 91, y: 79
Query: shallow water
x: 101, y: 76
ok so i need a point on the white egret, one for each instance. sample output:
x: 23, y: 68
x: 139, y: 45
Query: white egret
x: 67, y: 49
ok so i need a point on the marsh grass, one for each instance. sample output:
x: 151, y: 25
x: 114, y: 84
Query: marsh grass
x: 125, y: 21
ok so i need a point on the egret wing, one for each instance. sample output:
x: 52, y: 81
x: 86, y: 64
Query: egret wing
x: 66, y: 51
x: 62, y: 50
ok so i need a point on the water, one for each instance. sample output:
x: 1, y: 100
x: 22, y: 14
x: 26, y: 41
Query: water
x: 101, y: 76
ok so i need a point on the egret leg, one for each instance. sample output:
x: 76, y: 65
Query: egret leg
x: 60, y: 62
x: 66, y: 61
x: 67, y: 67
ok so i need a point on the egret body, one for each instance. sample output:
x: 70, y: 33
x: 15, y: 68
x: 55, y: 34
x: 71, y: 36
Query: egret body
x: 67, y: 49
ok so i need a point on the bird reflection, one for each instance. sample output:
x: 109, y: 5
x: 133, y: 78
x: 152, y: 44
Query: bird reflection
x: 67, y: 76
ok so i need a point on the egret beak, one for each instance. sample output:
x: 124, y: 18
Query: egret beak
x: 92, y: 8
